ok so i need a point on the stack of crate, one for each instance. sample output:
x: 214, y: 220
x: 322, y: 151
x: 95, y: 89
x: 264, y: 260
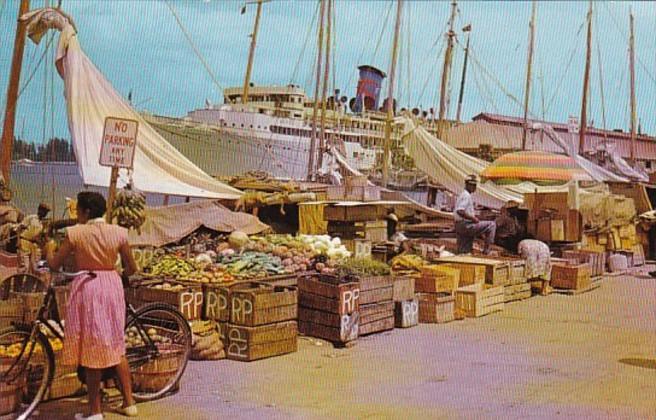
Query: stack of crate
x: 329, y: 308
x: 551, y: 219
x: 262, y: 321
x: 406, y: 306
x: 353, y: 222
x: 571, y: 276
x: 436, y: 288
x: 376, y: 304
x: 518, y: 287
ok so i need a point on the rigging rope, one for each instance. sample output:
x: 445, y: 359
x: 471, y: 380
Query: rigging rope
x: 626, y: 38
x: 307, y: 39
x: 193, y: 46
x: 38, y: 64
x: 601, y: 79
x: 382, y: 31
x: 569, y: 63
x: 430, y: 74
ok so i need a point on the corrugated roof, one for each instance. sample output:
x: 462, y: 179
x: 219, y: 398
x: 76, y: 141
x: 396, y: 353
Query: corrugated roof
x: 473, y: 135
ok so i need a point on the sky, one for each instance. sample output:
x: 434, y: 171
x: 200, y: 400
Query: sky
x: 140, y: 47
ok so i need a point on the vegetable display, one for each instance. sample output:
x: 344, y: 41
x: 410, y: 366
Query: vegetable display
x: 362, y: 267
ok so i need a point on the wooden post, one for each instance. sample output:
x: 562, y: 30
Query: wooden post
x: 633, y: 99
x: 313, y: 136
x: 447, y: 66
x: 326, y: 73
x: 12, y: 94
x: 390, y: 90
x: 586, y: 78
x: 251, y: 54
x: 464, y: 73
x: 527, y: 90
x: 113, y: 178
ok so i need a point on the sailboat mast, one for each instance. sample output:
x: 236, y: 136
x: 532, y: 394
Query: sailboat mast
x: 447, y: 62
x: 313, y: 138
x: 390, y: 93
x: 251, y: 53
x: 464, y: 73
x: 326, y: 75
x: 12, y: 93
x: 527, y: 90
x: 586, y: 79
x: 633, y: 99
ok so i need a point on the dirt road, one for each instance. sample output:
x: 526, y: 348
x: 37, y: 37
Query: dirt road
x: 585, y: 356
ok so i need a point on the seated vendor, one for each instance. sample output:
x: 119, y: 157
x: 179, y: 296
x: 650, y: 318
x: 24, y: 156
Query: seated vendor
x: 509, y: 230
x: 467, y: 226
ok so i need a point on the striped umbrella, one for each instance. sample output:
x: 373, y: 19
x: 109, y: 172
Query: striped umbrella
x: 542, y: 168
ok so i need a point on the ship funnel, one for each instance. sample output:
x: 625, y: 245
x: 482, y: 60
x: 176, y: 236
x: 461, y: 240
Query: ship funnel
x: 369, y: 86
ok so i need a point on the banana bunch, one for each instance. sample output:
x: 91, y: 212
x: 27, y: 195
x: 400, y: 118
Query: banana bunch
x: 172, y: 266
x: 129, y: 209
x: 407, y: 262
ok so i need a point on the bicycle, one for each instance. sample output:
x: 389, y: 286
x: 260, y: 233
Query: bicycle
x: 157, y: 338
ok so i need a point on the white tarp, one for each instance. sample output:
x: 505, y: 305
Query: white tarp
x: 158, y: 166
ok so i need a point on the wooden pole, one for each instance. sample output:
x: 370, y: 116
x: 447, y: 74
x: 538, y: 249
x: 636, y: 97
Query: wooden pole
x: 12, y: 94
x: 529, y: 65
x: 251, y: 53
x: 586, y: 79
x: 633, y: 99
x: 447, y: 62
x: 113, y: 178
x: 464, y: 74
x: 326, y: 74
x: 313, y: 136
x: 390, y: 94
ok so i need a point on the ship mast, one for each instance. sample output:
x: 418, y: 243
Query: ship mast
x: 390, y: 94
x: 633, y: 99
x: 313, y: 137
x: 326, y: 74
x: 447, y: 66
x: 464, y: 72
x: 586, y: 78
x: 251, y: 52
x: 12, y: 93
x: 527, y: 90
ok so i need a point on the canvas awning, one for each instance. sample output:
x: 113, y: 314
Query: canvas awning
x: 158, y: 166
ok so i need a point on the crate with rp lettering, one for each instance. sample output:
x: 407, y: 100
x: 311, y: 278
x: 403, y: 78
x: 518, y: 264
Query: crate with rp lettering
x: 255, y: 303
x: 329, y: 307
x: 254, y: 343
x: 186, y: 298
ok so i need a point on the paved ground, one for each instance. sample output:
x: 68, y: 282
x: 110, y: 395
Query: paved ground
x: 586, y: 356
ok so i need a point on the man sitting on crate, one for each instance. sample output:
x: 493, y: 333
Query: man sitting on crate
x: 468, y: 227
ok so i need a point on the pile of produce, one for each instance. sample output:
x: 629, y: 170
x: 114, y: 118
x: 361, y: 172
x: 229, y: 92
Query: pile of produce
x: 129, y: 209
x: 252, y: 264
x: 362, y: 267
x: 407, y: 264
x: 134, y: 339
x: 206, y: 341
x: 168, y: 287
x: 211, y: 274
x: 171, y: 266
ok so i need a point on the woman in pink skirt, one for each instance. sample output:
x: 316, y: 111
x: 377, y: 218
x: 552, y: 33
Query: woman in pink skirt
x: 95, y: 318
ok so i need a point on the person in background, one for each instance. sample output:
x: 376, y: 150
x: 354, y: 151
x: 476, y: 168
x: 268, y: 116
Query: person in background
x: 509, y: 230
x: 95, y: 320
x: 10, y: 217
x: 392, y: 223
x: 34, y: 225
x: 467, y: 226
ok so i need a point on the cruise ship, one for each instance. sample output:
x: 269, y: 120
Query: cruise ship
x: 272, y: 132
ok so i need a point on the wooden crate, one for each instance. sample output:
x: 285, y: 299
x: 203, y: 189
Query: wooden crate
x: 406, y: 313
x: 376, y: 317
x: 255, y: 303
x: 11, y: 310
x: 436, y: 308
x: 475, y: 270
x: 437, y: 281
x: 328, y: 294
x: 254, y: 343
x: 570, y: 276
x: 638, y: 255
x: 329, y: 326
x: 479, y: 299
x: 515, y: 292
x: 353, y: 213
x: 189, y: 300
x: 353, y: 193
x: 403, y: 288
x: 8, y: 259
x: 374, y: 289
x: 360, y: 248
x: 597, y: 260
x: 516, y: 270
x: 216, y: 301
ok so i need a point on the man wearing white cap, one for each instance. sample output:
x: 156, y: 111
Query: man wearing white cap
x: 468, y: 226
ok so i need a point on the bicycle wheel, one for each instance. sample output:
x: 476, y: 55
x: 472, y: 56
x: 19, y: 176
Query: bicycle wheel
x: 158, y: 341
x: 28, y: 365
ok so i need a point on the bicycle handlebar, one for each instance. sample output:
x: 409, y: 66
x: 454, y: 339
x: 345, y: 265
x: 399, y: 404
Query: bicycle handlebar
x: 44, y: 264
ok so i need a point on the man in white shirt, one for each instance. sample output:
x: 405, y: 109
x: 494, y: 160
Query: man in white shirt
x: 468, y: 227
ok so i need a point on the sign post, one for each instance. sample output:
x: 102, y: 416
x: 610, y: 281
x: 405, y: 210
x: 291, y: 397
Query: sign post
x: 117, y: 151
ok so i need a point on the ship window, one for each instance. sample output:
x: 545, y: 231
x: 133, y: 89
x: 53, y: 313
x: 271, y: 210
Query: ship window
x: 251, y: 125
x: 648, y: 164
x: 259, y: 127
x: 242, y: 126
x: 233, y: 124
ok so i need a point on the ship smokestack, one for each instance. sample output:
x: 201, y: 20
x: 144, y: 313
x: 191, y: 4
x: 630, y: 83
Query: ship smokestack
x: 369, y: 85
